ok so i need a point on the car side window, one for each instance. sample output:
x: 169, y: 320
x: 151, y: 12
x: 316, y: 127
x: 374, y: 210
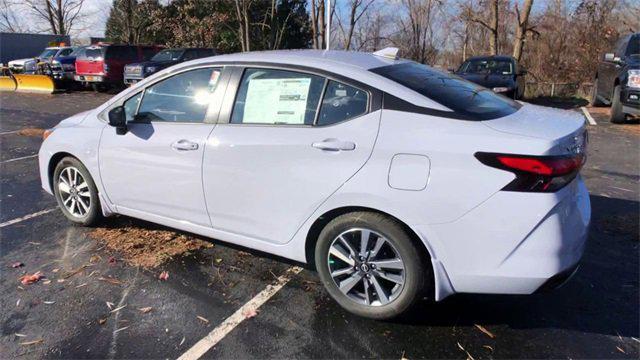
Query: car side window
x: 189, y: 55
x: 131, y: 105
x: 277, y: 97
x: 66, y: 52
x: 341, y: 102
x: 184, y: 97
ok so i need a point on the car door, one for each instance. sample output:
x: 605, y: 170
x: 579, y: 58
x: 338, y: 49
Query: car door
x: 608, y: 72
x: 155, y: 168
x: 291, y: 139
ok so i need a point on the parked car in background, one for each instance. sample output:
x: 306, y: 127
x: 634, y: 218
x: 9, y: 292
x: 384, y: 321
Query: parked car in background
x: 102, y: 65
x: 617, y: 80
x: 63, y: 67
x: 29, y: 65
x: 165, y: 58
x: 502, y: 74
x: 395, y: 180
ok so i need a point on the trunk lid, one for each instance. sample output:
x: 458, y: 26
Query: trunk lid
x: 564, y: 129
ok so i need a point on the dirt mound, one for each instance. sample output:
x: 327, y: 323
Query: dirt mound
x: 148, y: 247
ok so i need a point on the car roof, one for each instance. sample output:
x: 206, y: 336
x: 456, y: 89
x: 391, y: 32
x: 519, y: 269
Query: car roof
x: 350, y: 64
x: 492, y: 57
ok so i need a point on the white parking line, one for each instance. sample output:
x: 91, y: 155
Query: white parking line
x: 20, y: 158
x: 217, y: 334
x: 26, y: 217
x: 588, y: 116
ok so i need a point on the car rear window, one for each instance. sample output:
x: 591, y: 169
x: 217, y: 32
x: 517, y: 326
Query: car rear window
x: 471, y: 101
x: 93, y: 53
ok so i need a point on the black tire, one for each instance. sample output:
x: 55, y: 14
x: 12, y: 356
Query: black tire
x: 98, y: 87
x: 93, y: 214
x: 594, y: 101
x: 617, y: 116
x: 418, y: 276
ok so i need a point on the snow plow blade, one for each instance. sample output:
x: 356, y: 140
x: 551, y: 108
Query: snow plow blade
x: 7, y: 81
x: 42, y: 84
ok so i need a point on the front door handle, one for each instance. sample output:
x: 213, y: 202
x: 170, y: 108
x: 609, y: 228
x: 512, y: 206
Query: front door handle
x: 184, y: 145
x: 334, y: 145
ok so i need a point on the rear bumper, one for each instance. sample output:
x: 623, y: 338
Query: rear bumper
x: 90, y: 78
x: 132, y: 79
x: 514, y: 243
x: 630, y: 99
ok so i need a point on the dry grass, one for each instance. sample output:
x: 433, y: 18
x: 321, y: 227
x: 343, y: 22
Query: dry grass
x: 148, y: 247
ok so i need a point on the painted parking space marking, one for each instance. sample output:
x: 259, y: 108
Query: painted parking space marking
x: 9, y: 132
x: 217, y: 334
x: 588, y: 116
x: 27, y: 217
x: 20, y: 158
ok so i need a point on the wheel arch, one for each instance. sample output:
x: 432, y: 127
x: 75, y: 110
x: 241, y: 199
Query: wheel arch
x: 53, y: 162
x: 439, y: 278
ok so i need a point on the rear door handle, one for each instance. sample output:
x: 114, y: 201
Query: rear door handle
x: 184, y: 145
x: 334, y: 145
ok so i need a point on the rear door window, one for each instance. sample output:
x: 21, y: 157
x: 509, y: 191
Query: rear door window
x: 469, y: 101
x: 341, y: 102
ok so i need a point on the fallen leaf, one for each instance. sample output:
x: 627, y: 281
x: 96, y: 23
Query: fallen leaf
x: 110, y: 305
x: 46, y: 282
x: 218, y: 261
x: 485, y: 331
x: 488, y: 347
x: 30, y: 279
x: 20, y: 335
x: 94, y: 258
x: 145, y: 310
x: 81, y: 285
x: 18, y: 303
x: 49, y: 302
x: 112, y: 260
x: 202, y: 319
x: 249, y: 313
x: 17, y: 264
x: 182, y: 342
x: 61, y: 280
x: 163, y: 276
x: 402, y: 357
x: 55, y: 270
x: 102, y: 321
x: 32, y: 342
x: 620, y: 349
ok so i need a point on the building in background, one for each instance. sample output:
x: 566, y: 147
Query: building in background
x: 17, y: 46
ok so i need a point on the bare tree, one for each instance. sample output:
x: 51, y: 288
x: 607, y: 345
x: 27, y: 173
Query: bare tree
x: 9, y: 20
x: 415, y: 35
x: 244, y: 23
x: 357, y: 8
x: 522, y: 28
x: 61, y: 15
x: 491, y: 25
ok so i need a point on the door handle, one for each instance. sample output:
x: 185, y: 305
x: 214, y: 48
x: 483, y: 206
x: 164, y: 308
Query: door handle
x: 184, y: 145
x: 334, y: 145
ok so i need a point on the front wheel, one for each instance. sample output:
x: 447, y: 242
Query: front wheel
x: 594, y: 101
x: 617, y: 116
x: 76, y: 193
x: 370, y: 265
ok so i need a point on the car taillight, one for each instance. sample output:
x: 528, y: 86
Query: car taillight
x: 536, y: 173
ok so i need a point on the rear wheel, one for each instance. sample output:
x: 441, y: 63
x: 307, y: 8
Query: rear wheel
x: 594, y: 101
x: 98, y: 87
x: 617, y: 116
x: 76, y: 193
x: 370, y: 265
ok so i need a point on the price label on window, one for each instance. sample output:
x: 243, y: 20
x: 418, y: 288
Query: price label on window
x: 271, y: 101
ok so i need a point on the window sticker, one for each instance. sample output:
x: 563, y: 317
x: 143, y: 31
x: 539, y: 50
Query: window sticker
x: 276, y: 101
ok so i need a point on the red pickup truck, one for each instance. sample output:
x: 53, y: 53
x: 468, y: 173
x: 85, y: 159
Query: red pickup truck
x: 102, y: 65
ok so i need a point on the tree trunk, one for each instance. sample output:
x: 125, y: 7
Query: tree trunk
x: 521, y: 30
x: 321, y: 25
x: 314, y: 24
x: 493, y: 40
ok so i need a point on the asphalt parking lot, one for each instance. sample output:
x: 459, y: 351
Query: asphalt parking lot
x: 94, y: 303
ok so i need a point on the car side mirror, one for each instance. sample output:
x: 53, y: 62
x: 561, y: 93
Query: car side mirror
x: 118, y: 119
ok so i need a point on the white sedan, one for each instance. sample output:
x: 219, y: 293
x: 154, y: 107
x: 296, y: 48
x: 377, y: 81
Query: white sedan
x: 394, y: 180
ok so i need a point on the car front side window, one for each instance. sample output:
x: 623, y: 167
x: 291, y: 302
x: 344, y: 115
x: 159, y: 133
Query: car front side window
x: 184, y: 97
x: 277, y: 97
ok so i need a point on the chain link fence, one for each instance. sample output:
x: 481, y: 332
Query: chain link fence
x: 565, y: 90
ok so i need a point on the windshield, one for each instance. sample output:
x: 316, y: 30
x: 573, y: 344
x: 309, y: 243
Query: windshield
x: 487, y: 66
x: 464, y: 97
x: 47, y: 53
x: 167, y: 55
x: 634, y: 46
x: 78, y: 51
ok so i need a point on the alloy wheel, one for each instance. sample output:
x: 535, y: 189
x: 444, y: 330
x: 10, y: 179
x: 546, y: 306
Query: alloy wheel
x: 74, y: 192
x: 366, y: 267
